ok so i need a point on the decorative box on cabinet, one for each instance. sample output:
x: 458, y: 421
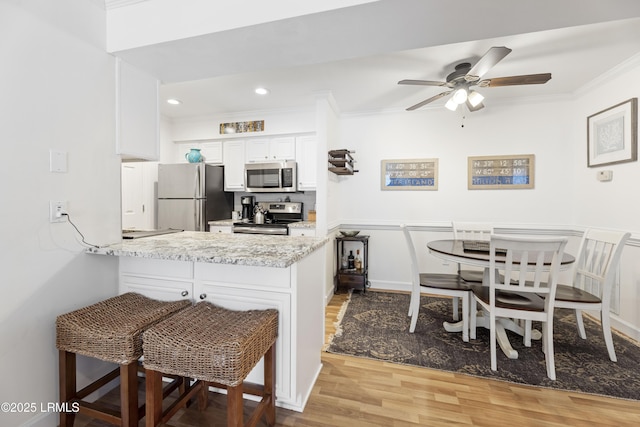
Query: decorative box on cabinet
x: 352, y: 278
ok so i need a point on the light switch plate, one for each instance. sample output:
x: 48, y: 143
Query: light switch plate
x: 605, y: 175
x: 57, y: 161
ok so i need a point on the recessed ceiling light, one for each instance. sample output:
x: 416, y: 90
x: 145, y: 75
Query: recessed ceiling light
x: 262, y: 91
x: 173, y: 101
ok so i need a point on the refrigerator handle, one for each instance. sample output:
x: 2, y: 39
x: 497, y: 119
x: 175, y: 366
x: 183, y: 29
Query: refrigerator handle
x: 196, y: 214
x: 197, y: 188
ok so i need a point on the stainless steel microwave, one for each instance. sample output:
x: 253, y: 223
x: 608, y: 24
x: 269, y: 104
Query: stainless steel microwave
x: 272, y: 177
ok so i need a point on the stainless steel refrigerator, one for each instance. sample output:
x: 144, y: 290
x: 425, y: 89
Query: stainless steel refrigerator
x: 190, y: 195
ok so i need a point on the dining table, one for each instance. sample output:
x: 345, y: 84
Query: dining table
x: 476, y: 253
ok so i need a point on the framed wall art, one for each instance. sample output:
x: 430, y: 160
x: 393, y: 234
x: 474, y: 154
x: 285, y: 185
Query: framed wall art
x: 501, y: 172
x: 409, y: 174
x: 612, y: 135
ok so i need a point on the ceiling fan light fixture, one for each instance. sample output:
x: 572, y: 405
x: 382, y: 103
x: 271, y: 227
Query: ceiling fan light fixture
x: 475, y: 98
x: 459, y: 96
x: 451, y: 104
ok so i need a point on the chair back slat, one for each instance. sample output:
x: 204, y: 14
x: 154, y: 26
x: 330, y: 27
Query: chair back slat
x: 535, y: 263
x: 471, y: 231
x: 597, y: 261
x: 415, y: 273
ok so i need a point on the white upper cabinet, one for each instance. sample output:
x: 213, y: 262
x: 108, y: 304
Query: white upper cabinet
x: 267, y: 149
x: 306, y: 157
x: 233, y: 156
x: 212, y: 152
x: 137, y: 113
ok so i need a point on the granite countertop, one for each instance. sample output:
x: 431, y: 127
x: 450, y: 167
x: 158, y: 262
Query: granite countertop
x: 229, y: 222
x: 241, y: 249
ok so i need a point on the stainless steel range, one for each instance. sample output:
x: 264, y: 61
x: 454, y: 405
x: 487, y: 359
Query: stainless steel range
x: 278, y: 216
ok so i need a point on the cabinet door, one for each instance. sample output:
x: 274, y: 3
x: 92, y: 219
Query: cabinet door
x: 222, y: 229
x: 160, y: 289
x: 233, y: 155
x: 257, y: 150
x: 306, y: 157
x: 235, y: 298
x: 212, y: 152
x: 283, y: 148
x: 302, y: 232
x: 137, y: 113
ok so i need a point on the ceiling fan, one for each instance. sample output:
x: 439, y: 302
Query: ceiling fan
x: 460, y: 82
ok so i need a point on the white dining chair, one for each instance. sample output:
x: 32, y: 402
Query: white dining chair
x: 593, y: 276
x: 438, y: 284
x: 515, y: 292
x: 471, y: 231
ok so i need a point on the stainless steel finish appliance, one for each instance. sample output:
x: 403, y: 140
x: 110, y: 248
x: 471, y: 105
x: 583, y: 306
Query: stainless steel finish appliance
x: 273, y: 177
x: 190, y: 195
x: 278, y: 216
x: 247, y: 203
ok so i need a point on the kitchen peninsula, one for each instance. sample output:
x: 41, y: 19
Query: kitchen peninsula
x: 241, y: 272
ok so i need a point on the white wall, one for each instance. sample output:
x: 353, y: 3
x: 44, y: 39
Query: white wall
x: 611, y: 204
x: 538, y: 129
x: 57, y: 85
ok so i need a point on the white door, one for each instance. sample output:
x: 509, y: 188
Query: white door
x: 133, y: 208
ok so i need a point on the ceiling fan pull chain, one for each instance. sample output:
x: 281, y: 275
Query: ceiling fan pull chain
x: 462, y: 121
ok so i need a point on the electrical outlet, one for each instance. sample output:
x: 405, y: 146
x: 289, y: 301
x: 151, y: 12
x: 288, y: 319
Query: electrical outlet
x: 56, y: 208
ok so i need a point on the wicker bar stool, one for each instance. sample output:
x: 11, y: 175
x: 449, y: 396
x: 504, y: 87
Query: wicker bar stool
x: 217, y: 347
x: 110, y: 330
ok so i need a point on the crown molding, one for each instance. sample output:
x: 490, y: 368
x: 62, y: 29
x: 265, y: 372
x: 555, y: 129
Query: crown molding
x: 113, y: 4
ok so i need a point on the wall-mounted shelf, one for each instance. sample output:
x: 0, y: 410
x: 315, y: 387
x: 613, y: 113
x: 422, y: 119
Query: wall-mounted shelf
x: 341, y: 162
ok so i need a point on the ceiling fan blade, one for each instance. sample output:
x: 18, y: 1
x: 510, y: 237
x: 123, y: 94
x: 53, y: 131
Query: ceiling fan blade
x: 426, y: 101
x: 488, y: 60
x: 529, y: 79
x: 421, y: 83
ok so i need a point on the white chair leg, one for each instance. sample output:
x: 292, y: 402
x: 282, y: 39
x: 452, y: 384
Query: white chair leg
x: 415, y: 312
x: 606, y: 331
x: 527, y: 333
x: 455, y: 304
x: 411, y: 302
x: 548, y: 347
x: 465, y: 317
x: 580, y: 325
x: 492, y: 340
x: 473, y: 310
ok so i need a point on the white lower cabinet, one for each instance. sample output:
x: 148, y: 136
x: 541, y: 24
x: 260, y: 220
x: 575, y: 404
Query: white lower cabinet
x: 235, y: 298
x: 222, y: 229
x: 308, y: 232
x: 295, y: 291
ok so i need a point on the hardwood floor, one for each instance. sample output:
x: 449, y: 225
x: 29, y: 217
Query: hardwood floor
x: 355, y: 392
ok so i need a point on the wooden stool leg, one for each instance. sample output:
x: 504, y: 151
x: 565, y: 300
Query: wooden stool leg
x: 153, y: 398
x: 270, y: 385
x: 203, y: 396
x: 129, y: 394
x: 67, y: 383
x: 234, y: 406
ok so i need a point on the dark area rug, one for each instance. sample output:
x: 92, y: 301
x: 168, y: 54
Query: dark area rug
x: 375, y: 325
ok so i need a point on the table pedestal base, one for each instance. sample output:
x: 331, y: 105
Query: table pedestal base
x: 502, y: 326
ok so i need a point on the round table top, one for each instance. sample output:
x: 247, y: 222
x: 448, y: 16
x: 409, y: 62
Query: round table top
x: 453, y: 249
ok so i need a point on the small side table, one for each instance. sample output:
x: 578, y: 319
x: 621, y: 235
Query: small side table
x: 352, y: 278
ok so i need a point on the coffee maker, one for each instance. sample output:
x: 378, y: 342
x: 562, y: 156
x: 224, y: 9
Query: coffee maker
x: 247, y: 202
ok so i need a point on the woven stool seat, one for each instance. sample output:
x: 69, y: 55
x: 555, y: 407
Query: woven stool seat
x: 111, y: 330
x: 210, y: 343
x: 217, y: 347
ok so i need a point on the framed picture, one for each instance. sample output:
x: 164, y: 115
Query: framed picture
x: 409, y: 174
x: 612, y: 135
x: 507, y: 172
